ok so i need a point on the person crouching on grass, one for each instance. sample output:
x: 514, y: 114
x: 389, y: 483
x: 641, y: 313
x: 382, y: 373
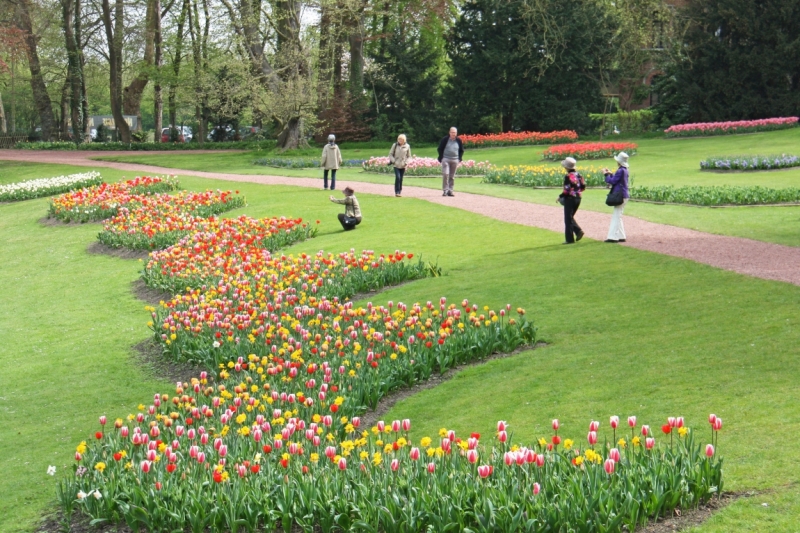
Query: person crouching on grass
x: 352, y: 212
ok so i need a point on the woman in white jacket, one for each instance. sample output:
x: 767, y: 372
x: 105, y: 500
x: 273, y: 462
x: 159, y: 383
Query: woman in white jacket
x: 398, y: 157
x: 331, y: 159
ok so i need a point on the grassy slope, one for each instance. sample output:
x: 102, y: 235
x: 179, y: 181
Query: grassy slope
x: 630, y: 332
x: 660, y: 162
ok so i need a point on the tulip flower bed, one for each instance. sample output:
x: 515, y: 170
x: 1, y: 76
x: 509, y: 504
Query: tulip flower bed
x: 103, y: 201
x: 517, y: 138
x: 301, y: 162
x: 540, y: 176
x: 242, y: 453
x: 716, y: 195
x: 728, y: 128
x: 589, y: 150
x: 425, y: 167
x: 750, y: 162
x: 26, y: 190
x: 157, y: 221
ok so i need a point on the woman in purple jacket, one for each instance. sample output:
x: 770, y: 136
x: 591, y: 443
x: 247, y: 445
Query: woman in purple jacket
x: 616, y: 232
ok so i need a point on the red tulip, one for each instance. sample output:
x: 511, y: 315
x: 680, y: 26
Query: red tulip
x: 255, y: 469
x: 171, y: 467
x: 78, y: 456
x: 556, y: 440
x: 267, y: 448
x: 609, y: 465
x: 667, y: 429
x: 98, y: 435
x: 158, y: 485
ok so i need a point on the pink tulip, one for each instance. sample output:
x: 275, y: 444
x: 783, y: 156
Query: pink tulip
x: 356, y: 422
x: 485, y: 471
x: 431, y: 468
x: 327, y: 420
x: 179, y: 430
x: 414, y: 454
x: 406, y: 424
x: 242, y: 470
x: 679, y: 422
x: 316, y: 441
x: 501, y: 425
x: 342, y: 463
x: 649, y: 442
x: 709, y: 450
x: 592, y: 437
x: 395, y: 464
x: 123, y: 431
x: 509, y: 458
x: 472, y: 456
x: 536, y: 489
x: 103, y: 420
x: 614, y: 421
x: 672, y: 422
x: 451, y: 435
x: 472, y: 443
x: 645, y: 431
x: 151, y: 455
x: 539, y: 460
x: 78, y: 456
x: 530, y: 456
x: 717, y: 424
x: 712, y: 418
x: 609, y: 465
x: 502, y: 436
x: 257, y: 434
x: 145, y: 466
x: 193, y: 451
x: 204, y: 439
x: 555, y: 424
x: 330, y: 452
x: 278, y: 444
x: 446, y: 445
x: 632, y: 421
x: 381, y: 426
x: 395, y: 426
x: 294, y: 448
x: 594, y: 425
x: 613, y: 454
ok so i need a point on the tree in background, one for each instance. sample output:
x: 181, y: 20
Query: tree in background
x: 740, y: 60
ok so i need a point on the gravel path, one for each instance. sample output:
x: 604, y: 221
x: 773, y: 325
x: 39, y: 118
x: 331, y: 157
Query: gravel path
x: 745, y: 256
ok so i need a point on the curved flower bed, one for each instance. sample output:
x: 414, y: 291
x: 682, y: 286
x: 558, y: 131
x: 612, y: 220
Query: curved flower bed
x: 716, y: 195
x: 750, y: 162
x: 154, y: 222
x: 425, y: 166
x: 517, y: 138
x: 301, y: 162
x: 26, y: 190
x: 728, y: 128
x: 590, y: 150
x: 103, y: 201
x: 541, y: 176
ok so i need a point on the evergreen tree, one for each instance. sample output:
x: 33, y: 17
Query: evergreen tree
x: 742, y: 61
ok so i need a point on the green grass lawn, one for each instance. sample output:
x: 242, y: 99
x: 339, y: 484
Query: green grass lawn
x: 628, y: 332
x: 659, y: 162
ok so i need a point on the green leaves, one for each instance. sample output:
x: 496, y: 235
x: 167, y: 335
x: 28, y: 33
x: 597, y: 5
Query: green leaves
x: 715, y: 195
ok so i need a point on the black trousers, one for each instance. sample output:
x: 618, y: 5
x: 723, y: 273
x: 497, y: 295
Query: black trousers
x: 398, y: 179
x: 325, y: 179
x: 571, y: 228
x: 347, y: 222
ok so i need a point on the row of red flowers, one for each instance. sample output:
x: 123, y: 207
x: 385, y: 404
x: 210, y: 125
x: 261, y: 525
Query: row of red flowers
x: 588, y: 150
x: 516, y: 138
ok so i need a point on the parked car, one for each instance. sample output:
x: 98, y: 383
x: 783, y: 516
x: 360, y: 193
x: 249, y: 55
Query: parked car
x: 249, y: 132
x: 221, y: 132
x: 184, y: 134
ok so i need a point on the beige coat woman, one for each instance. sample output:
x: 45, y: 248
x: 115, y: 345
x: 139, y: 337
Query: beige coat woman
x: 399, y: 155
x: 331, y: 157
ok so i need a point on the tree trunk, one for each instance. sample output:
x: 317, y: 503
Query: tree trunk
x: 71, y: 15
x: 3, y: 124
x: 176, y: 67
x: 197, y: 56
x: 63, y: 119
x: 326, y: 50
x: 114, y: 38
x: 132, y: 94
x: 291, y: 137
x: 158, y: 98
x: 356, y: 82
x: 40, y: 97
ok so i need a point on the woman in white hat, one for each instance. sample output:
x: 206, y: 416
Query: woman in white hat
x: 570, y: 198
x: 618, y: 182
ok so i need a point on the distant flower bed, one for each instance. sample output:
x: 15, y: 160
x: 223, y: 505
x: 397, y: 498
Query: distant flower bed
x: 425, y: 166
x: 301, y: 162
x: 593, y: 150
x: 716, y: 196
x: 146, y: 146
x: 25, y: 190
x: 727, y: 128
x: 540, y: 176
x: 750, y: 162
x: 517, y: 138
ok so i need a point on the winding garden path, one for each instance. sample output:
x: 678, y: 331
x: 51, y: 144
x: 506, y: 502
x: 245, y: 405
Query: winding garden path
x: 745, y: 256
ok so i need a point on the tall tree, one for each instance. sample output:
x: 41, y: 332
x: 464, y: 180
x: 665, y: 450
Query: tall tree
x: 41, y: 97
x: 158, y: 97
x: 132, y: 94
x: 75, y: 82
x: 114, y: 32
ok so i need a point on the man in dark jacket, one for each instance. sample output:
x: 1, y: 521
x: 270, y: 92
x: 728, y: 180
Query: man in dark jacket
x: 451, y: 151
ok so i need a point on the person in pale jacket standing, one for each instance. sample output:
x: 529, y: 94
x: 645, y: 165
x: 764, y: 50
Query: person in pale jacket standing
x: 616, y: 231
x: 451, y: 151
x: 331, y: 159
x: 398, y: 157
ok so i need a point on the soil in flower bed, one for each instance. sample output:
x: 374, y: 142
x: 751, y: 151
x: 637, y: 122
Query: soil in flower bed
x: 149, y: 357
x: 99, y: 248
x: 682, y: 520
x: 52, y: 221
x: 149, y: 295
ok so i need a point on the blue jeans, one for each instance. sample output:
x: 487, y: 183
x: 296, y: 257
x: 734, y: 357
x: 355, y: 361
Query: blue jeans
x: 398, y: 179
x: 325, y: 179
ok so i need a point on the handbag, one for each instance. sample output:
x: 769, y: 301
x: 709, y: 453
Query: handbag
x: 615, y: 197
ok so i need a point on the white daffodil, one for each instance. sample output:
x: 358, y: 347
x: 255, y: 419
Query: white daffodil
x: 51, y: 470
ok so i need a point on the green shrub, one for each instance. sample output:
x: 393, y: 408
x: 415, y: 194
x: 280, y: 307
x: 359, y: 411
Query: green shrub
x: 716, y: 195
